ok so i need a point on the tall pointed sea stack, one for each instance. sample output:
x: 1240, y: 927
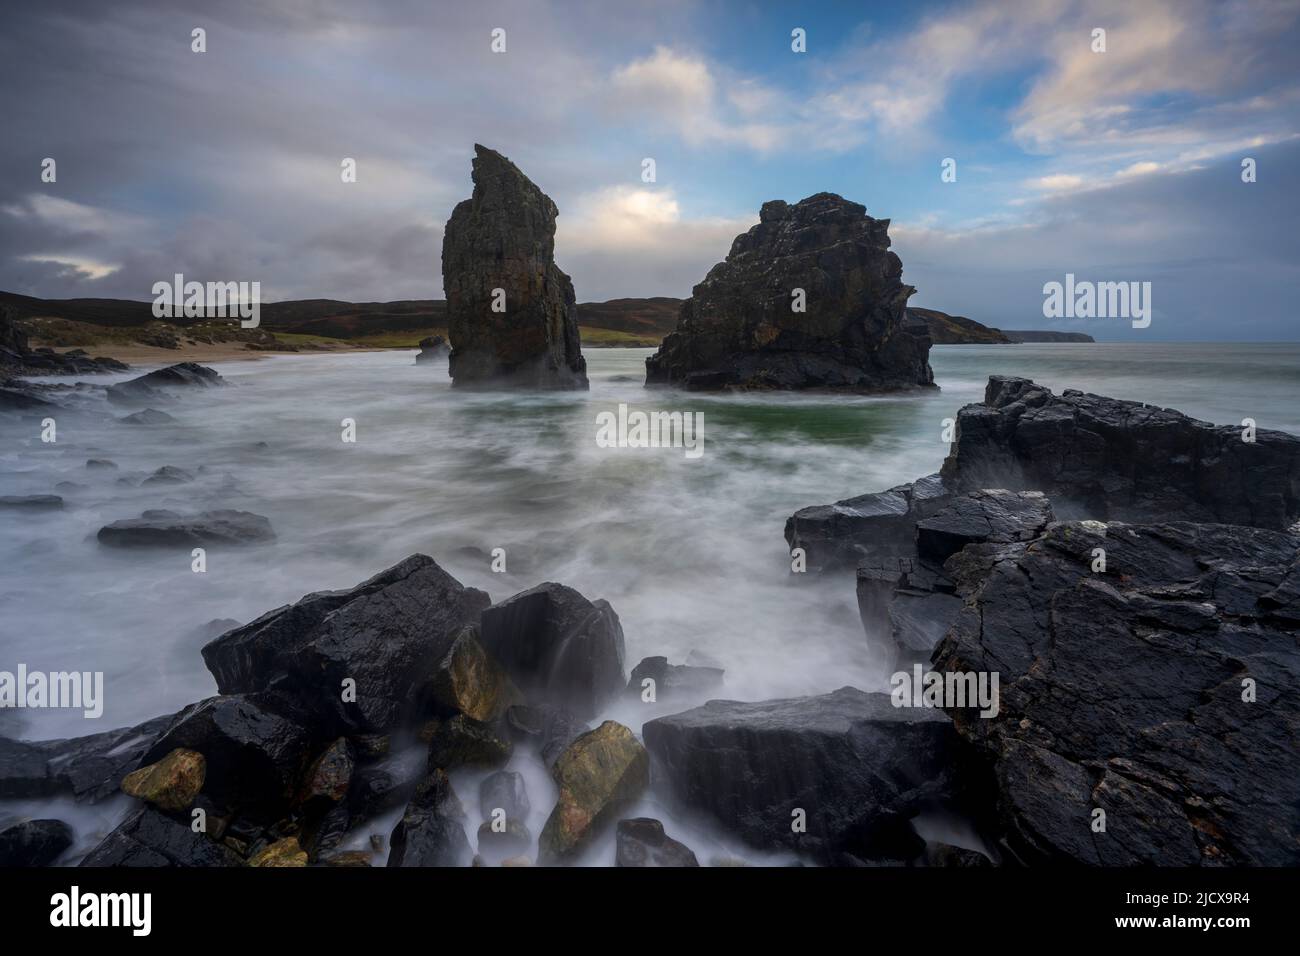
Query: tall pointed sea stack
x: 511, y: 313
x: 743, y: 327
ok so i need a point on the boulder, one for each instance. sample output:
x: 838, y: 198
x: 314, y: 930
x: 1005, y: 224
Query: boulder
x: 159, y: 528
x: 281, y: 853
x: 467, y: 680
x: 147, y: 416
x: 642, y: 842
x: 387, y: 634
x: 430, y: 832
x: 168, y: 475
x: 505, y: 791
x: 598, y: 775
x: 465, y: 742
x: 869, y: 527
x: 431, y: 350
x: 34, y: 843
x: 155, y: 386
x: 856, y: 765
x: 329, y: 778
x: 1109, y: 459
x: 170, y: 784
x: 87, y: 768
x: 255, y: 752
x: 1159, y: 690
x: 30, y: 502
x: 740, y: 327
x: 673, y: 681
x: 149, y: 837
x: 511, y: 313
x: 100, y: 464
x: 558, y: 647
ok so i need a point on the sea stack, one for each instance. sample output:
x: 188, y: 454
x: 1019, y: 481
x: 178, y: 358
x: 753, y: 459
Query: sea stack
x: 810, y: 298
x: 511, y: 313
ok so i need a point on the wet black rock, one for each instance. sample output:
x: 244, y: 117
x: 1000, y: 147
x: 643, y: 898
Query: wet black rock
x: 168, y: 475
x: 465, y: 742
x: 557, y: 646
x: 148, y: 416
x: 1159, y: 690
x: 149, y: 837
x: 858, y: 767
x: 673, y: 681
x: 88, y: 768
x: 642, y: 842
x: 1109, y: 459
x: 156, y: 386
x: 431, y: 350
x: 873, y: 526
x: 159, y: 528
x: 31, y: 502
x: 256, y: 751
x: 430, y: 832
x: 34, y: 842
x: 386, y: 634
x: 740, y: 329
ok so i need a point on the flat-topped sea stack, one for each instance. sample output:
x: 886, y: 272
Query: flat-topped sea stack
x: 511, y: 313
x: 810, y: 298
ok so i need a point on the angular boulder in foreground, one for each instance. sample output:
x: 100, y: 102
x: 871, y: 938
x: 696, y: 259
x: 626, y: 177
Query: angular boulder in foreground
x: 1109, y: 459
x: 558, y: 646
x: 742, y: 327
x: 89, y: 768
x: 1160, y: 691
x: 858, y: 767
x: 512, y: 316
x: 387, y: 635
x: 148, y: 837
x: 430, y: 832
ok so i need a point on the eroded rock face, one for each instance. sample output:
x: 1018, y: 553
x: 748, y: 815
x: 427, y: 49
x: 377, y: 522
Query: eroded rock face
x: 740, y: 329
x: 1126, y: 690
x: 503, y: 238
x: 1109, y: 459
x: 386, y: 634
x: 858, y: 766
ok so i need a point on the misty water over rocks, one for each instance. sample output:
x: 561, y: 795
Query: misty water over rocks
x: 688, y: 551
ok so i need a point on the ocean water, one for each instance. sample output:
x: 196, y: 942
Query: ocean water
x: 689, y: 552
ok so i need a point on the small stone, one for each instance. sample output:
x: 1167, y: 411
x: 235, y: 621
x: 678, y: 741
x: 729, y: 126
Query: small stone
x: 172, y: 783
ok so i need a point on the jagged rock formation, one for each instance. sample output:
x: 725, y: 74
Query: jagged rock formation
x: 503, y: 238
x: 1159, y: 690
x: 740, y: 329
x: 432, y: 349
x: 1110, y: 459
x: 17, y: 358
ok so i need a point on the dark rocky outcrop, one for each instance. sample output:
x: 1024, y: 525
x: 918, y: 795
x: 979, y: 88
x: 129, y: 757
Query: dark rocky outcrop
x: 17, y: 358
x: 1109, y: 459
x: 88, y: 768
x: 643, y: 842
x: 147, y: 416
x: 432, y: 349
x: 557, y: 646
x: 149, y: 837
x: 160, y: 528
x: 156, y: 386
x: 34, y: 842
x: 948, y: 329
x: 30, y: 502
x: 872, y: 526
x: 1025, y: 335
x: 673, y: 681
x: 465, y: 742
x: 739, y: 328
x: 1160, y: 691
x: 430, y: 832
x: 858, y: 766
x: 387, y: 634
x: 548, y: 729
x: 503, y: 237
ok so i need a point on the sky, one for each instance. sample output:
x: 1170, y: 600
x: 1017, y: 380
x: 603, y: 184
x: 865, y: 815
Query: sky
x: 1122, y: 165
